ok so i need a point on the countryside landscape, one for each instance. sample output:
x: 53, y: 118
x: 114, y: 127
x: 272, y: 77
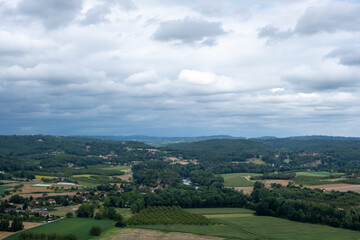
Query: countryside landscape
x: 179, y: 120
x: 56, y: 187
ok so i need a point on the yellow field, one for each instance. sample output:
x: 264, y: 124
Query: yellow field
x: 39, y: 177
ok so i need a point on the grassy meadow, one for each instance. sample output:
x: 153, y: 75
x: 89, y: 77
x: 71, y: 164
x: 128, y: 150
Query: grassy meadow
x: 238, y: 179
x: 236, y: 223
x: 78, y: 226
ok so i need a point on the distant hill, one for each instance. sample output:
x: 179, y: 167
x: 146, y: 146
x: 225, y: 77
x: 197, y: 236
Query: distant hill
x: 314, y: 144
x: 162, y: 141
x: 225, y: 146
x: 82, y: 146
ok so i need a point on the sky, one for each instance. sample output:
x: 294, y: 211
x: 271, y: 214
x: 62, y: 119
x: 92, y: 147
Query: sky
x: 180, y: 68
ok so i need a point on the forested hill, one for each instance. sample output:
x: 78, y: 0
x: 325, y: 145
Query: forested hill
x: 319, y: 145
x: 81, y: 146
x: 225, y: 146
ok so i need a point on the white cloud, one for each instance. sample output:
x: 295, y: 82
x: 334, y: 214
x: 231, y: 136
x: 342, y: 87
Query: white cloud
x: 118, y: 74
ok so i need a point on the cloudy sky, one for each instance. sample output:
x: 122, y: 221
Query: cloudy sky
x: 180, y: 68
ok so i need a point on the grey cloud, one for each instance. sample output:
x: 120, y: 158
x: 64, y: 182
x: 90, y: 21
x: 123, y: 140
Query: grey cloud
x: 210, y: 7
x: 125, y: 4
x: 347, y: 55
x: 274, y: 33
x: 96, y: 14
x: 214, y: 8
x: 189, y: 31
x: 330, y: 18
x: 53, y: 13
x: 322, y: 82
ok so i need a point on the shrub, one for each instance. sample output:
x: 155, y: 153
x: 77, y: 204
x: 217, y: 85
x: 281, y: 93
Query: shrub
x: 120, y: 224
x: 52, y: 236
x: 95, y: 231
x: 69, y: 237
x: 69, y: 214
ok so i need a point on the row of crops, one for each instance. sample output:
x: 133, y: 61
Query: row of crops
x: 167, y: 215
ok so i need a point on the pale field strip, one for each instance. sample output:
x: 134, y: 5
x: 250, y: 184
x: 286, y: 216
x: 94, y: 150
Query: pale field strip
x: 338, y: 187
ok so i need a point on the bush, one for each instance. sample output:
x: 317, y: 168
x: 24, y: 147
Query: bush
x: 69, y: 214
x: 69, y: 237
x: 120, y: 224
x: 95, y: 231
x: 52, y: 236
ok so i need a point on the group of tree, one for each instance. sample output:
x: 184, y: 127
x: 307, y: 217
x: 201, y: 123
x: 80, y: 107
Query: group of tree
x: 30, y: 235
x: 270, y: 203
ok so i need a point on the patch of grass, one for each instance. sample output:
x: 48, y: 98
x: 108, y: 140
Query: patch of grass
x: 239, y: 223
x: 118, y: 168
x: 238, y: 179
x: 78, y: 226
x: 126, y: 212
x: 317, y: 174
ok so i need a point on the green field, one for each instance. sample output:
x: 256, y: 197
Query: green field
x: 236, y: 223
x: 119, y: 168
x: 238, y: 179
x: 317, y: 174
x: 4, y: 188
x: 78, y: 226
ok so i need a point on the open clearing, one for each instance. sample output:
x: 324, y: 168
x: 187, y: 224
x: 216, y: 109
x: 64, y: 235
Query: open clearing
x: 32, y: 189
x: 256, y: 161
x: 268, y: 182
x: 343, y: 187
x: 78, y: 226
x: 246, y: 190
x: 142, y: 234
x: 126, y: 177
x: 237, y: 223
x: 238, y: 179
x: 61, y: 211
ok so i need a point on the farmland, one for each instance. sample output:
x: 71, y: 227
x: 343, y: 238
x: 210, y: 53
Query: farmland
x: 117, y: 168
x: 144, y: 234
x: 317, y: 174
x: 78, y: 226
x: 242, y: 224
x: 238, y: 179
